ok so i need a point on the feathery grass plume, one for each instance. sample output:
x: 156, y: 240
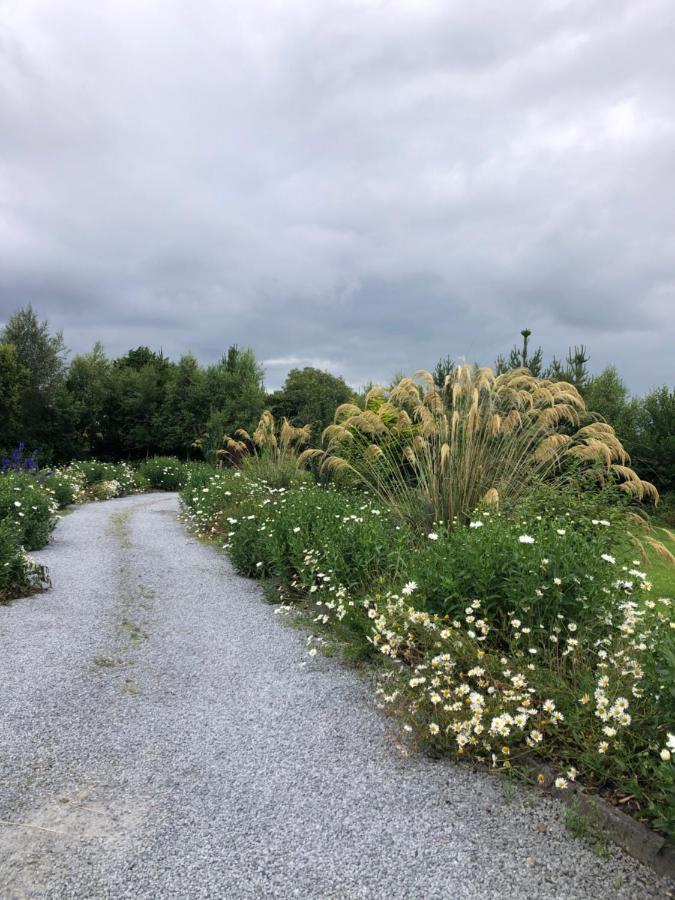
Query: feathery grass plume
x: 435, y: 454
x: 273, y: 453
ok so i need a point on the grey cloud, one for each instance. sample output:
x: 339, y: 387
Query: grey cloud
x: 365, y: 183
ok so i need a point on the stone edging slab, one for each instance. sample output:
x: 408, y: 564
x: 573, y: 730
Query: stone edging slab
x: 639, y: 841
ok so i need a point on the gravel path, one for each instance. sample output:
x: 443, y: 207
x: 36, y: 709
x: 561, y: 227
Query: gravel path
x: 171, y: 735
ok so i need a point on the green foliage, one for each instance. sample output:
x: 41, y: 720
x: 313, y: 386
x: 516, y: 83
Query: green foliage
x: 13, y: 381
x: 280, y: 472
x: 665, y: 512
x: 25, y: 504
x: 653, y: 449
x: 364, y: 548
x: 235, y: 387
x: 66, y: 486
x: 133, y: 402
x: 163, y: 473
x: 89, y: 382
x: 210, y: 442
x: 41, y: 353
x: 136, y: 406
x: 46, y: 411
x: 96, y: 480
x: 607, y: 395
x: 185, y: 406
x: 18, y: 574
x: 645, y: 425
x: 535, y: 562
x: 310, y: 396
x: 444, y: 367
x: 521, y: 358
x: 236, y: 399
x: 574, y: 370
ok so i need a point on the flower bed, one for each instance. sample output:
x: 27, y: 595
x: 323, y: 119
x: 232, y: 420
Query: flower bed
x: 533, y: 633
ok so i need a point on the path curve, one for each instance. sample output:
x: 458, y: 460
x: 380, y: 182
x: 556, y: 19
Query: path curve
x: 172, y: 737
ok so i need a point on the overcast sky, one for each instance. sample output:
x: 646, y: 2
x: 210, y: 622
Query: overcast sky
x: 362, y: 185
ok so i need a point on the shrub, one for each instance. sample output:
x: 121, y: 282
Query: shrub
x: 435, y: 454
x: 587, y: 701
x: 66, y: 486
x: 25, y: 503
x: 348, y: 538
x: 536, y: 566
x: 18, y: 574
x: 119, y: 479
x: 105, y: 490
x: 163, y: 473
x: 92, y: 471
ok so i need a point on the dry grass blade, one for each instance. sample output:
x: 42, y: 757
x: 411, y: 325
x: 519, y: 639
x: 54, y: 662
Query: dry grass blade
x: 28, y: 825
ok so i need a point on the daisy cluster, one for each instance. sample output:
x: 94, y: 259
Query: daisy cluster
x: 458, y: 681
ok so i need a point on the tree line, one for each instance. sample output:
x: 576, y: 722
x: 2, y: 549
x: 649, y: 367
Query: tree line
x: 143, y: 403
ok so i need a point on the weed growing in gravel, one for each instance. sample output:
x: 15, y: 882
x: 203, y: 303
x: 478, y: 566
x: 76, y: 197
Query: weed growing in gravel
x: 586, y: 828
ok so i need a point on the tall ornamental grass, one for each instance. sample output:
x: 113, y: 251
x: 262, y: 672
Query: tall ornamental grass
x: 273, y: 453
x: 436, y: 453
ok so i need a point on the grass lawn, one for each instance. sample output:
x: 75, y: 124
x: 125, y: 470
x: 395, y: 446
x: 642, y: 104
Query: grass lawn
x: 660, y: 571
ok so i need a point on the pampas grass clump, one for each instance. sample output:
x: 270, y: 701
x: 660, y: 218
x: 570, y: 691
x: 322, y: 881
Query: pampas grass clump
x: 434, y: 454
x: 271, y: 454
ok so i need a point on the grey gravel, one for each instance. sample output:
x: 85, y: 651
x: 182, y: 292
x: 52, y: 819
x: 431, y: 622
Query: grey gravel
x: 174, y: 737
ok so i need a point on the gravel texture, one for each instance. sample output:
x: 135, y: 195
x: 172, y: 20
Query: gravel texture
x: 173, y: 736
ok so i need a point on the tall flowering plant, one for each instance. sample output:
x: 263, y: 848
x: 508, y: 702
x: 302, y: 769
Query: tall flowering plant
x: 19, y: 460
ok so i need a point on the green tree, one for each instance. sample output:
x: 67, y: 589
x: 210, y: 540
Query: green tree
x: 574, y: 369
x: 444, y: 367
x: 608, y: 396
x: 184, y: 410
x: 89, y: 382
x: 521, y: 358
x: 13, y: 380
x: 131, y: 413
x: 140, y: 357
x: 653, y: 448
x: 235, y: 390
x: 44, y: 406
x: 310, y: 397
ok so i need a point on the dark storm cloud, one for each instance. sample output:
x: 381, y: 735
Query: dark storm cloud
x: 361, y: 185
